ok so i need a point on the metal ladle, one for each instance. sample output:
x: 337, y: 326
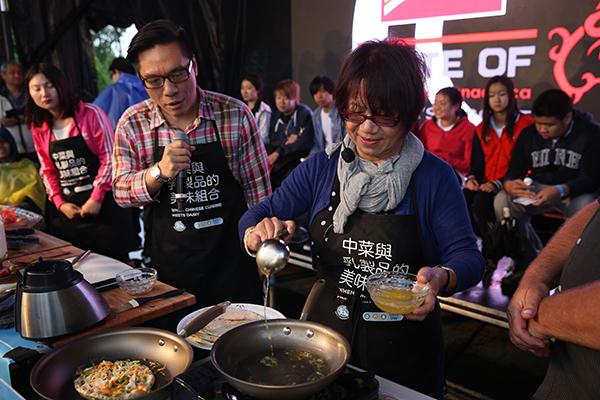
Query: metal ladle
x: 273, y: 254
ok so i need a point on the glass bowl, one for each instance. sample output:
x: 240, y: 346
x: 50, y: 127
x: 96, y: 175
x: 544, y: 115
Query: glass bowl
x: 136, y: 281
x: 396, y: 292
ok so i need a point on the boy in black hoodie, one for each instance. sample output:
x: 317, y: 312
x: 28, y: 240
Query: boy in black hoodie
x: 560, y: 154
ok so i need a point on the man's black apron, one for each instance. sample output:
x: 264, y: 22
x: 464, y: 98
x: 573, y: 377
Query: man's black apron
x: 573, y: 372
x: 110, y: 232
x: 198, y: 249
x: 407, y: 352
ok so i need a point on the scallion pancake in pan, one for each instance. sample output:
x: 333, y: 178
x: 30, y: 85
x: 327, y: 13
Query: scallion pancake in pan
x: 115, y: 380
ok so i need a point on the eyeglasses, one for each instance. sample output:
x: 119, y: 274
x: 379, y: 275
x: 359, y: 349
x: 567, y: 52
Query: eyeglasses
x: 177, y: 76
x: 381, y: 120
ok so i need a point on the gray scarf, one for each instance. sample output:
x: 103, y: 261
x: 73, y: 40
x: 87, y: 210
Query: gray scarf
x: 372, y: 187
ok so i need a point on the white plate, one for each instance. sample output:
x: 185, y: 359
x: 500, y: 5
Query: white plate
x: 97, y: 268
x: 271, y: 314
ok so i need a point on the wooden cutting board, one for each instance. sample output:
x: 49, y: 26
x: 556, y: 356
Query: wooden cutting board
x: 136, y: 316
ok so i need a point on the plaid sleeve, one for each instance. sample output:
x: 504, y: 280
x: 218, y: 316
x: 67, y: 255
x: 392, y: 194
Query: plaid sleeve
x: 129, y: 183
x: 253, y: 161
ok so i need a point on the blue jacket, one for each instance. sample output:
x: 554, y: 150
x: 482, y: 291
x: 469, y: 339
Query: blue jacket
x: 443, y: 218
x: 337, y: 129
x: 118, y: 97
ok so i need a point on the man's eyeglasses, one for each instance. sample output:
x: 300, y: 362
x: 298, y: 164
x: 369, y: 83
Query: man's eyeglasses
x: 177, y: 76
x: 381, y: 120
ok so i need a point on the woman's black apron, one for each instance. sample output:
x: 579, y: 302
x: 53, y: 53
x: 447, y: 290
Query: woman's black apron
x: 407, y: 352
x: 198, y: 249
x: 110, y: 232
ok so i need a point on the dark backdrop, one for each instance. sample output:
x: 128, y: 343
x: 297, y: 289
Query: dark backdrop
x: 230, y: 37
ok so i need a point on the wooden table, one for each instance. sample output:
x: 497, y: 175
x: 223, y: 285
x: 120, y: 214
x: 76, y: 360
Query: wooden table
x: 46, y: 242
x: 50, y: 247
x: 136, y: 316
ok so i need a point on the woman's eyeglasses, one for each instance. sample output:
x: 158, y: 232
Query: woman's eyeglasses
x: 177, y: 76
x: 381, y: 120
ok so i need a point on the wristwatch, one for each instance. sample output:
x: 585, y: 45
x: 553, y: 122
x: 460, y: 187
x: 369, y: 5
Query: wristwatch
x: 156, y: 174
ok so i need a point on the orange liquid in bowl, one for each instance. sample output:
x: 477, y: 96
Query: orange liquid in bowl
x: 396, y: 301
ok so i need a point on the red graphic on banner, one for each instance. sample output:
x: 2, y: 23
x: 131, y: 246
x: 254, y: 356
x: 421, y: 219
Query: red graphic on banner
x: 561, y: 52
x: 399, y: 10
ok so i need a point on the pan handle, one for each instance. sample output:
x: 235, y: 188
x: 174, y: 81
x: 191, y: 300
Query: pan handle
x: 315, y: 292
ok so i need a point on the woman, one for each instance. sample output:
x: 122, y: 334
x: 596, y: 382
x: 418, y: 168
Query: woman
x: 379, y: 202
x: 493, y: 144
x: 449, y: 134
x: 74, y: 142
x: 20, y: 183
x: 251, y: 91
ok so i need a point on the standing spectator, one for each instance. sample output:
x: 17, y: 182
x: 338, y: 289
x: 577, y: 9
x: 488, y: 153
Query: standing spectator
x: 74, y: 142
x: 291, y: 133
x: 126, y: 90
x: 491, y: 151
x: 560, y: 154
x: 251, y: 91
x: 225, y: 161
x: 329, y: 127
x: 449, y: 134
x: 12, y: 104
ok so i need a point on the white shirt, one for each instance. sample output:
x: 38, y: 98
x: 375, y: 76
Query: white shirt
x: 61, y: 133
x: 326, y: 125
x: 496, y: 128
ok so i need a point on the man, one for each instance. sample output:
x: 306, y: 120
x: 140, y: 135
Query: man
x: 329, y: 127
x: 559, y: 156
x: 570, y: 317
x: 225, y: 162
x: 126, y: 90
x: 12, y: 103
x: 291, y: 132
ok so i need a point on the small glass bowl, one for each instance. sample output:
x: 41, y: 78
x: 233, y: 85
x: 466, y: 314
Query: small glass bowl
x: 396, y: 292
x: 136, y: 281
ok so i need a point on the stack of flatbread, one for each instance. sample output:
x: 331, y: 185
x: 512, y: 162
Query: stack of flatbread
x: 232, y: 317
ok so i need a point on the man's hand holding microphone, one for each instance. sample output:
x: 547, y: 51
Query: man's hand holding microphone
x: 176, y: 159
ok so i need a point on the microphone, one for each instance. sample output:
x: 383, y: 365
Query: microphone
x: 180, y: 193
x: 348, y: 154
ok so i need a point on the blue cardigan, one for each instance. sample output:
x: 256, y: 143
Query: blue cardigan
x: 443, y: 218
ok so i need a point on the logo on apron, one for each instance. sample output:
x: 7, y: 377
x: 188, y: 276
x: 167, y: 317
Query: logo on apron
x: 382, y: 317
x: 342, y: 312
x: 179, y: 226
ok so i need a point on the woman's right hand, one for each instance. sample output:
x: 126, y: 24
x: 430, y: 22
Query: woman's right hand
x: 472, y: 184
x: 70, y: 210
x: 268, y: 228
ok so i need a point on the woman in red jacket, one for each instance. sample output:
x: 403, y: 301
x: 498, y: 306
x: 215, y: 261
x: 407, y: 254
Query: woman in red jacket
x: 492, y: 148
x: 449, y: 134
x: 74, y: 142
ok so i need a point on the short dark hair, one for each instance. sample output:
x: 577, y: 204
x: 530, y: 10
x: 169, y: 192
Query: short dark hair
x: 67, y: 101
x: 392, y: 75
x: 122, y: 65
x: 453, y: 94
x: 321, y: 81
x: 161, y: 31
x: 552, y: 103
x: 512, y: 109
x: 255, y: 81
x: 7, y: 137
x: 290, y: 88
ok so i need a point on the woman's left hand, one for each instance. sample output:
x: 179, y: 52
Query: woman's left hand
x: 90, y: 208
x: 436, y: 277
